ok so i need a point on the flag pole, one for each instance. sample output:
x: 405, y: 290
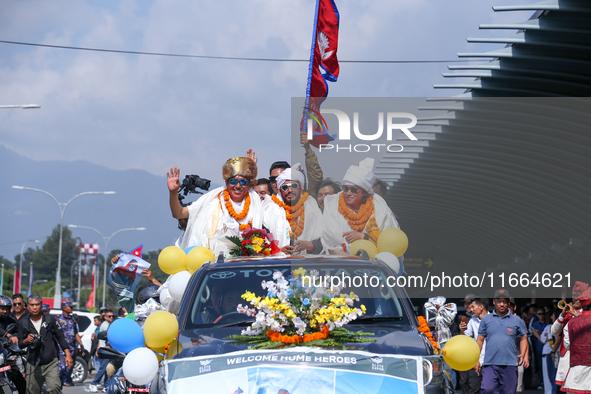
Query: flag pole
x: 310, y: 67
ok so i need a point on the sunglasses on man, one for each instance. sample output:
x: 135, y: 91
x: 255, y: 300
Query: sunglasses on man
x: 352, y: 189
x: 234, y: 181
x: 293, y: 186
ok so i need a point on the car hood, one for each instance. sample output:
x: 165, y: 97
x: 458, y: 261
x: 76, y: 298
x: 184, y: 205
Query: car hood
x: 389, y: 339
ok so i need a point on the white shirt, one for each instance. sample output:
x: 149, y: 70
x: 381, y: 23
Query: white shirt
x: 546, y: 337
x: 37, y: 324
x: 472, y: 331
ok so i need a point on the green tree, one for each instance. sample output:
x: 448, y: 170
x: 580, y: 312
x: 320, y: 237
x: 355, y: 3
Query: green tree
x: 8, y: 279
x: 45, y: 259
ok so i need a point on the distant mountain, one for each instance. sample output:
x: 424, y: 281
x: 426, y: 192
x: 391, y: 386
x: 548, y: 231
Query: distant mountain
x: 141, y: 201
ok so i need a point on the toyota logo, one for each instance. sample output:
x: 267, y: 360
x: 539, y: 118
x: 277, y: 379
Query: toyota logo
x: 222, y: 275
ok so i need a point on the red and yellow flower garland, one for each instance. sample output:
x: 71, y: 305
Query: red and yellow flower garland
x: 357, y: 220
x: 289, y: 339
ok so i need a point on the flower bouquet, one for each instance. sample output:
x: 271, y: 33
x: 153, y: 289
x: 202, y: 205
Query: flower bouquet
x: 296, y: 312
x: 254, y: 242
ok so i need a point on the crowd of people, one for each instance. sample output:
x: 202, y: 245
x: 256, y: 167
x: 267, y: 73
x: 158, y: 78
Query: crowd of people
x: 52, y: 342
x: 305, y: 212
x: 554, y: 341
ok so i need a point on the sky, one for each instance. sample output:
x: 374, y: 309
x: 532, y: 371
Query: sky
x: 126, y: 111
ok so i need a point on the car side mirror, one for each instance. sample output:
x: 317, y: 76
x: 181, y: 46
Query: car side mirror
x: 102, y: 335
x: 11, y: 328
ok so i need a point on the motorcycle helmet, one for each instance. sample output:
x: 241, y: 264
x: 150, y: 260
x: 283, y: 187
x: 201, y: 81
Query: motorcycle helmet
x: 5, y: 301
x: 145, y: 292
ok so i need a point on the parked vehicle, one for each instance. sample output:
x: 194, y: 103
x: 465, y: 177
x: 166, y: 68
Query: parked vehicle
x: 208, y: 316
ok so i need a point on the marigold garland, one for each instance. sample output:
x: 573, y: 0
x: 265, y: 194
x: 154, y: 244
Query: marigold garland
x: 230, y: 208
x: 243, y: 227
x: 357, y: 220
x: 289, y: 339
x: 424, y: 328
x: 295, y: 215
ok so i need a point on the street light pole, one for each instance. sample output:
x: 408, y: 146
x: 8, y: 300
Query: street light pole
x: 57, y: 297
x: 106, y: 242
x: 20, y: 276
x: 23, y: 106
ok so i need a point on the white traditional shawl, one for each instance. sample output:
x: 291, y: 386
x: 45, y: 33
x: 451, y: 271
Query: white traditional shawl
x: 278, y: 224
x: 334, y: 224
x: 210, y: 223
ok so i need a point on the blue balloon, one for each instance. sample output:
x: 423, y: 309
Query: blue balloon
x: 189, y: 249
x: 125, y: 335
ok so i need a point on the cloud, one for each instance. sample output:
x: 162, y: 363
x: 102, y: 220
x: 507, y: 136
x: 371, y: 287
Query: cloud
x: 128, y: 111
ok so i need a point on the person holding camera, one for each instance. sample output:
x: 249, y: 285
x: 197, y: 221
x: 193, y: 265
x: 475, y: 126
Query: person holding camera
x: 40, y: 334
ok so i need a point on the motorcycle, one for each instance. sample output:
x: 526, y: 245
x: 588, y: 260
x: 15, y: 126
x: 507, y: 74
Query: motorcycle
x: 118, y: 384
x: 11, y: 357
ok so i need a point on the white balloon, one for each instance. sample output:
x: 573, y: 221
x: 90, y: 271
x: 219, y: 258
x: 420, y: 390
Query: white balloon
x: 140, y: 366
x: 178, y: 283
x: 392, y: 261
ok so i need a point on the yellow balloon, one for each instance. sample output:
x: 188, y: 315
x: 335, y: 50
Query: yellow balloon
x: 172, y: 259
x: 197, y: 256
x: 160, y: 328
x: 393, y: 240
x: 175, y: 348
x: 366, y: 245
x: 461, y: 352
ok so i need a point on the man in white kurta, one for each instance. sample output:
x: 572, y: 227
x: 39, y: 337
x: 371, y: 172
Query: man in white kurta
x: 216, y: 214
x: 290, y: 184
x: 338, y: 233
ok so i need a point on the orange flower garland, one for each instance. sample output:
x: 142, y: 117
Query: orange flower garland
x: 289, y: 339
x: 295, y: 215
x: 424, y: 328
x: 357, y: 220
x: 232, y: 212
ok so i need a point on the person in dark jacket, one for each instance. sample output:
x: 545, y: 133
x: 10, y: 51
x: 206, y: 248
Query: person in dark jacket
x: 6, y: 319
x: 41, y: 334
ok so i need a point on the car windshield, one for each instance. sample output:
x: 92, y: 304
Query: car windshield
x: 219, y: 292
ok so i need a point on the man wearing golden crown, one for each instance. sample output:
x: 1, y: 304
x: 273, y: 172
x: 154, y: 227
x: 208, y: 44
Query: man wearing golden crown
x: 225, y: 211
x: 292, y: 216
x: 356, y: 212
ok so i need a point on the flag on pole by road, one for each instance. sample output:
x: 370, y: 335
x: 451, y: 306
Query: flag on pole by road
x: 324, y: 67
x: 17, y: 276
x: 90, y: 302
x: 30, y: 281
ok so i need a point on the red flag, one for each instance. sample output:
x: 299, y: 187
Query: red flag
x: 90, y: 302
x: 324, y: 55
x: 137, y: 251
x: 17, y: 277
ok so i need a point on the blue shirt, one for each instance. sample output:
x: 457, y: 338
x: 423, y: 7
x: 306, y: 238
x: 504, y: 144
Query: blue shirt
x: 501, y: 335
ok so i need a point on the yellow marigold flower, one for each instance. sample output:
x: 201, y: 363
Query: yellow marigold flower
x: 363, y: 309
